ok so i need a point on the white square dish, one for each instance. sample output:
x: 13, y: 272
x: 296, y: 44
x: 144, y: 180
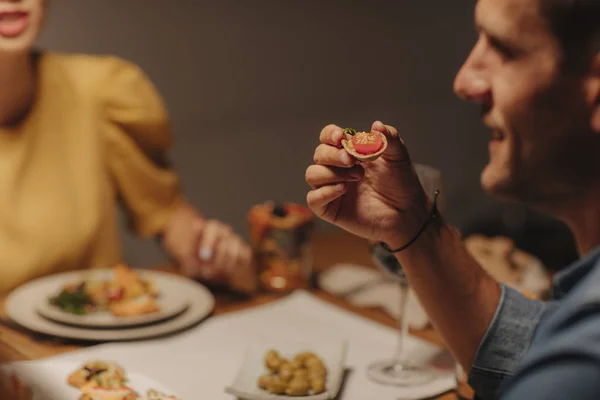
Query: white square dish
x: 245, y: 386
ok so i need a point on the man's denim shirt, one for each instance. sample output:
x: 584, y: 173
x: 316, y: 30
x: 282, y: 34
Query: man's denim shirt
x: 545, y: 350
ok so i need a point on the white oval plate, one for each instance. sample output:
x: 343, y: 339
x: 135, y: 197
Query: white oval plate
x: 20, y: 306
x: 48, y: 379
x: 170, y: 301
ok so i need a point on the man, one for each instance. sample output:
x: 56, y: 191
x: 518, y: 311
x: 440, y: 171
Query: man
x: 535, y: 72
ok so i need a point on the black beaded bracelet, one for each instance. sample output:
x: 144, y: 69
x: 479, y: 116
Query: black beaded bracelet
x: 432, y: 217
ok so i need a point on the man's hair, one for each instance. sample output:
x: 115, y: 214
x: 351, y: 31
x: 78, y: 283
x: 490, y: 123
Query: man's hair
x: 576, y: 24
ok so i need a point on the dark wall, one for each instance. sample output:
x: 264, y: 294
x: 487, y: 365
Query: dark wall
x: 249, y: 85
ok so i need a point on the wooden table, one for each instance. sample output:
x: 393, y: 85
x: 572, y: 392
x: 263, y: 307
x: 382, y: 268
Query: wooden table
x: 329, y: 249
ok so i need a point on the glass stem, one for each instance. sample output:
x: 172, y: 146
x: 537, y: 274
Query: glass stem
x: 402, y: 323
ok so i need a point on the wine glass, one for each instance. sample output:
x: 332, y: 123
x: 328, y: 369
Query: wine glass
x: 399, y: 370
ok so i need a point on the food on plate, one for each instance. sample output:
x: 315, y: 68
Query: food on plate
x: 102, y: 380
x: 126, y: 295
x: 364, y: 146
x: 101, y: 374
x: 302, y: 375
x: 137, y: 306
x: 12, y: 388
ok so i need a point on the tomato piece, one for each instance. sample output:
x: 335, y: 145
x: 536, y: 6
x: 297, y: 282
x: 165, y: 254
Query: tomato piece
x: 116, y: 294
x: 367, y: 142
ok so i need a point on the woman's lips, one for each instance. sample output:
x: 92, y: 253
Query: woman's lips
x: 13, y: 24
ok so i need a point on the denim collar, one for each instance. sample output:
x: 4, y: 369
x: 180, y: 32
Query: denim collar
x: 570, y: 276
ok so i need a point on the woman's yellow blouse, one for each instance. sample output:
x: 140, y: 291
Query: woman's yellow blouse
x: 96, y: 136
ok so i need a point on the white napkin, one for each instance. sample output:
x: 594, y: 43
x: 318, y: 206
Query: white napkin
x: 201, y: 362
x: 367, y: 287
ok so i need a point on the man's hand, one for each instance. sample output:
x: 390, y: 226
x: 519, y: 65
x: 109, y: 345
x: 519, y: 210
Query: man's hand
x: 208, y: 250
x: 381, y: 200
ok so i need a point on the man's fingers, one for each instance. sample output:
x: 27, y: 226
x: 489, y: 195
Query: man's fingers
x: 319, y: 199
x: 331, y: 135
x: 319, y: 175
x: 333, y: 156
x: 396, y: 150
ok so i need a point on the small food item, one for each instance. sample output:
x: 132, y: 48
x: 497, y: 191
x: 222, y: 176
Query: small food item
x: 301, y: 373
x: 136, y: 306
x: 156, y: 395
x: 100, y: 373
x: 91, y: 392
x: 73, y: 300
x: 314, y: 363
x: 364, y: 146
x: 298, y: 387
x: 264, y: 381
x: 273, y: 360
x: 277, y: 386
x: 286, y: 372
x: 304, y: 375
x: 317, y: 385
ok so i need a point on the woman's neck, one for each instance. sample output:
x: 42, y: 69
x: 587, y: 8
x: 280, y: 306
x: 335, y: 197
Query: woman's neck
x: 17, y: 87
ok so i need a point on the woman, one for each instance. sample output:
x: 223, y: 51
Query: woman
x: 77, y: 134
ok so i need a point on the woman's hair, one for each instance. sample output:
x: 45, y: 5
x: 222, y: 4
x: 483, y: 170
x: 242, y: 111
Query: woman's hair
x: 576, y: 24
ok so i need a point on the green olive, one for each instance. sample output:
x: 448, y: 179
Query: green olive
x: 272, y: 353
x: 264, y: 381
x: 286, y: 372
x: 296, y: 364
x: 301, y: 373
x: 273, y: 363
x: 317, y: 385
x: 300, y: 357
x: 314, y: 363
x: 298, y: 387
x: 317, y: 373
x: 277, y: 386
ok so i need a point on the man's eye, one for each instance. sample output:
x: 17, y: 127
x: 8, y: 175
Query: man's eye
x: 501, y: 48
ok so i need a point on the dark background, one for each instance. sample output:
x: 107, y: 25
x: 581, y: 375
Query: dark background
x: 249, y: 85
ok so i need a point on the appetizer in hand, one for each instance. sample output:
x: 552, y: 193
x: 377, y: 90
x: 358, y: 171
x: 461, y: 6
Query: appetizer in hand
x: 364, y: 146
x: 126, y: 295
x: 303, y: 375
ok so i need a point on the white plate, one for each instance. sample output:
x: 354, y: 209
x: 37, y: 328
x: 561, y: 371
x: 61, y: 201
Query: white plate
x: 48, y: 379
x: 21, y: 305
x: 333, y: 355
x: 170, y: 300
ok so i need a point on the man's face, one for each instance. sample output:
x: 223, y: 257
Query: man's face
x: 20, y: 24
x: 542, y: 142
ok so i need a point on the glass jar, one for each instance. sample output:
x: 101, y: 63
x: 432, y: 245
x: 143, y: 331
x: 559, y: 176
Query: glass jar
x: 280, y: 236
